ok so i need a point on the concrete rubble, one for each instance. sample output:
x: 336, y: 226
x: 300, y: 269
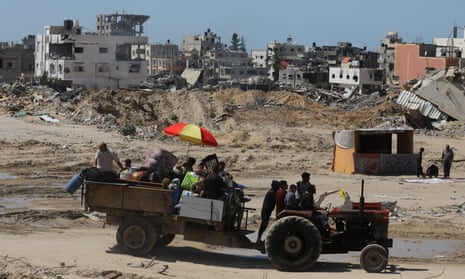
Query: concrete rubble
x: 135, y: 113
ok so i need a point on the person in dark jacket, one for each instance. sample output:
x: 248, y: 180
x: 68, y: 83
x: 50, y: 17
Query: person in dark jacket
x: 447, y: 157
x: 269, y: 203
x: 214, y: 185
x: 420, y: 172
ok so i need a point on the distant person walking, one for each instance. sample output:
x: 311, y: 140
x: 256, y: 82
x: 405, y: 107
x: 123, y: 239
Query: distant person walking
x: 419, y: 162
x: 104, y: 158
x: 447, y: 157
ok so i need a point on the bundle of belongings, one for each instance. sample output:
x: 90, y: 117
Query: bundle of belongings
x: 157, y: 165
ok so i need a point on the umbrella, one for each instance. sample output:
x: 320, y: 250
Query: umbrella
x: 191, y: 133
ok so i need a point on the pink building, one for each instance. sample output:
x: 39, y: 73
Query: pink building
x: 413, y: 60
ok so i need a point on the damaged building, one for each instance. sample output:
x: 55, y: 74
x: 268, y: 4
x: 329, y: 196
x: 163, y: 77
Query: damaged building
x: 209, y: 61
x: 164, y: 58
x: 112, y: 57
x: 386, y: 59
x: 17, y: 60
x: 354, y: 76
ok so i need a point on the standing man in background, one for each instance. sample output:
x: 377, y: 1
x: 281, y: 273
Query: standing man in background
x: 447, y: 157
x: 419, y: 162
x: 104, y: 158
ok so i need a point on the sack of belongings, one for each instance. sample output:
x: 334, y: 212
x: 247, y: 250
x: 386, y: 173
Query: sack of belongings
x: 432, y: 170
x: 159, y: 163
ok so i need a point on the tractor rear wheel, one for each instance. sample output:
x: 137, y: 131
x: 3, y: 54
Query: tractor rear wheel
x: 293, y: 244
x: 136, y: 236
x: 374, y: 258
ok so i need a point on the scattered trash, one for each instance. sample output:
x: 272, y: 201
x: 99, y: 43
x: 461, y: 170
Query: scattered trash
x: 47, y: 118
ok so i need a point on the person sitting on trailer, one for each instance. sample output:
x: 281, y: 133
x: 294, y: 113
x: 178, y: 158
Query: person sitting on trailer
x: 214, y: 185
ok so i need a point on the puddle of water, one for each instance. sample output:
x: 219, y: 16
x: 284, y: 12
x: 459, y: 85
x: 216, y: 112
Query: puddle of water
x: 14, y: 203
x: 424, y: 248
x: 402, y: 248
x: 29, y: 202
x: 6, y: 176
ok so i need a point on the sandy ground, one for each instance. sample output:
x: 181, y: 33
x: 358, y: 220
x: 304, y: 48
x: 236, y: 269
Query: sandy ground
x: 45, y: 235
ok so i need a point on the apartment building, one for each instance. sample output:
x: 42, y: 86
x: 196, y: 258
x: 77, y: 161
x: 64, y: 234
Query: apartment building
x: 112, y: 57
x: 351, y: 75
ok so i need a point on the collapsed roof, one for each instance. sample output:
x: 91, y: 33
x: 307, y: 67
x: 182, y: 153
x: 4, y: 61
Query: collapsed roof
x: 438, y: 96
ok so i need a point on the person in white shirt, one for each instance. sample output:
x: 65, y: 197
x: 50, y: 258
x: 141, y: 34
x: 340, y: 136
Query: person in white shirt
x: 104, y: 158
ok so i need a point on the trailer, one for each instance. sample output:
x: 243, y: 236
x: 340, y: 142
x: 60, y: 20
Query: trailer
x: 147, y: 217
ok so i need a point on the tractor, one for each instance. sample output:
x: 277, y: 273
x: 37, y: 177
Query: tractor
x: 295, y: 241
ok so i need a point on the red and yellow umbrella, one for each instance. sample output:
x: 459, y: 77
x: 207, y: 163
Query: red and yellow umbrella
x: 191, y: 133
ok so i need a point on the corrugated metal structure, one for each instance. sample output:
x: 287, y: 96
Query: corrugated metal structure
x: 439, y: 96
x: 413, y: 102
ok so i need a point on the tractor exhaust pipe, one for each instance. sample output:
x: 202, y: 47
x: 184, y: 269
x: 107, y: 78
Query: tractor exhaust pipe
x: 362, y: 200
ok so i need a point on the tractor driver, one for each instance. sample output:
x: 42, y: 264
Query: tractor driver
x: 307, y: 203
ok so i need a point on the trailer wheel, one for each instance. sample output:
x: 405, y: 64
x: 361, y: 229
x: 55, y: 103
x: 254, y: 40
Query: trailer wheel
x: 136, y: 235
x: 293, y: 244
x: 164, y: 239
x: 373, y: 258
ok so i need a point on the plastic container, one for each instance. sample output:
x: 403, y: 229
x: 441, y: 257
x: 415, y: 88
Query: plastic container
x: 75, y: 182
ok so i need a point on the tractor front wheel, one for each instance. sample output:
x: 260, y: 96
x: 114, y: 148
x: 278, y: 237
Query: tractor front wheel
x: 374, y: 258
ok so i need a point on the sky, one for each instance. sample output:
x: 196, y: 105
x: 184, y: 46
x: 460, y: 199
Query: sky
x: 364, y: 23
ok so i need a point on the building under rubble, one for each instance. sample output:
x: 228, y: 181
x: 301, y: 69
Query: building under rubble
x: 112, y: 57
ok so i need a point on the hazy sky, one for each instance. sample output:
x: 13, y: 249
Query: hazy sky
x: 325, y: 22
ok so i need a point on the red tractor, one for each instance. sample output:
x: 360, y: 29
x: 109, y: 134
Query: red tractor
x: 296, y: 240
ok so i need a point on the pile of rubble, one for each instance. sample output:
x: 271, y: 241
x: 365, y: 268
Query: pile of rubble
x: 141, y: 112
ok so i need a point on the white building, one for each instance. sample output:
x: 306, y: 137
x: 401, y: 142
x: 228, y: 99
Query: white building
x: 349, y: 75
x: 450, y: 47
x: 92, y: 61
x: 258, y: 58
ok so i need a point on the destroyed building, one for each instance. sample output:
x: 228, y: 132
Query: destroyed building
x: 386, y: 57
x: 164, y: 58
x: 281, y: 55
x: 436, y: 98
x: 112, y: 57
x: 209, y: 61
